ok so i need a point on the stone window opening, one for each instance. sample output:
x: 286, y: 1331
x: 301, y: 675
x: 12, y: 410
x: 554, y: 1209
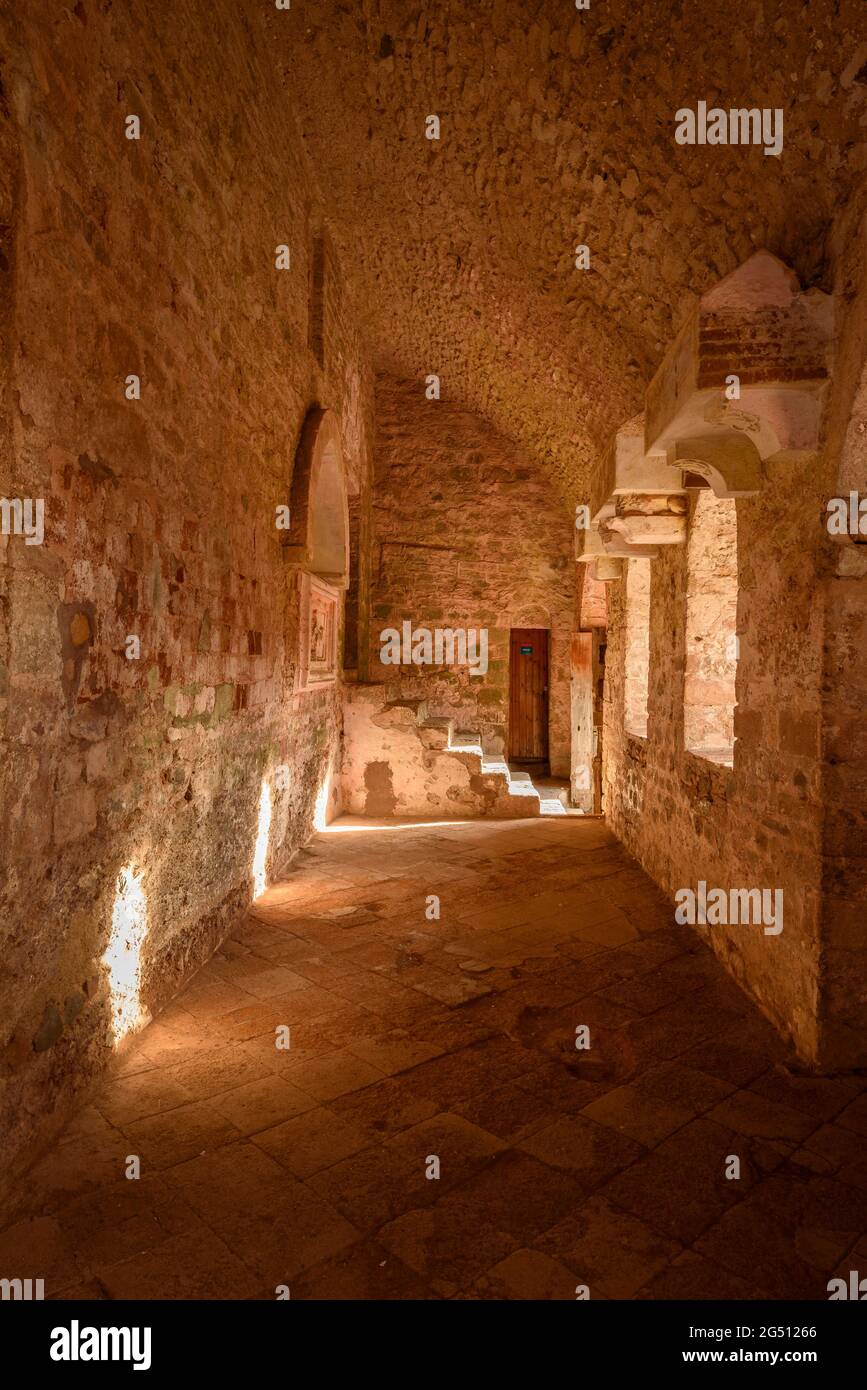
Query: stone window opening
x: 711, y: 646
x: 637, y: 655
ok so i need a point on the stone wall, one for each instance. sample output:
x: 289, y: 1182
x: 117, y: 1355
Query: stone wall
x: 687, y: 818
x: 710, y: 666
x: 155, y: 258
x: 788, y: 814
x: 843, y: 598
x: 636, y: 580
x: 790, y: 811
x: 467, y: 534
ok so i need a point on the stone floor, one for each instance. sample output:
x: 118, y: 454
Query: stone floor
x: 455, y: 1038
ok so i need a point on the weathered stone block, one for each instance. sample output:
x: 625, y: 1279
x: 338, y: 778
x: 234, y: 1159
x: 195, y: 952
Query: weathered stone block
x: 49, y: 1029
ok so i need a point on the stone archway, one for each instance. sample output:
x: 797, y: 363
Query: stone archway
x: 318, y: 538
x: 317, y: 547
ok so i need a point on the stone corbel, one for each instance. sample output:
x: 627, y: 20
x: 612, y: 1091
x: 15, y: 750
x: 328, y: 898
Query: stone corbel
x: 752, y: 363
x: 599, y: 542
x: 606, y: 569
x: 650, y: 519
x: 626, y: 469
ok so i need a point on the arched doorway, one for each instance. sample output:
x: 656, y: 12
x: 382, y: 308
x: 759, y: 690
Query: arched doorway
x: 317, y: 545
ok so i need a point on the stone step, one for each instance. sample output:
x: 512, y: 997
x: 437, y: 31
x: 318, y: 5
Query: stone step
x: 520, y: 788
x: 402, y: 713
x: 466, y: 741
x: 439, y: 735
x: 435, y: 733
x: 418, y: 707
x: 498, y: 765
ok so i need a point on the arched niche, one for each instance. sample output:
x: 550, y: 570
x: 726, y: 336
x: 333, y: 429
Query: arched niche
x: 529, y: 615
x: 318, y: 537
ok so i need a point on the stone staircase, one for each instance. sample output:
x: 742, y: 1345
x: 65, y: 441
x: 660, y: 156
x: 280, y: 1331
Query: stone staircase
x: 439, y: 736
x: 399, y: 760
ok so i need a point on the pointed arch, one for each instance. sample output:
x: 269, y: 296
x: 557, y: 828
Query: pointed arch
x: 318, y: 538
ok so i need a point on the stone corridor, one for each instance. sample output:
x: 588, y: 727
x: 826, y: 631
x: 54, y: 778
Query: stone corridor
x: 433, y: 656
x: 414, y: 1036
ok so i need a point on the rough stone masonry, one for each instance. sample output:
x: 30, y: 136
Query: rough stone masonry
x: 152, y: 258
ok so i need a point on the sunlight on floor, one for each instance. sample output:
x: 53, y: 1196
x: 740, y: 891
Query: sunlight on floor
x: 342, y: 828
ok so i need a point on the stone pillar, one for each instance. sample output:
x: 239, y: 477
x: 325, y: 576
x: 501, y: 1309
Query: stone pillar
x: 582, y: 794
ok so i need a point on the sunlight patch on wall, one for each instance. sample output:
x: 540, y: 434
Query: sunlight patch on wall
x: 263, y: 832
x: 320, y: 810
x: 122, y: 958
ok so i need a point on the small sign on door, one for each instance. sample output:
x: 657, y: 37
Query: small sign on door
x: 526, y: 651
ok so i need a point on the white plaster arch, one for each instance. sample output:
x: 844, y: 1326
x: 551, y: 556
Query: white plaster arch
x: 731, y: 463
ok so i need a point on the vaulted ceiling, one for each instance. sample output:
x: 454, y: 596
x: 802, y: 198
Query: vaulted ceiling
x: 557, y: 128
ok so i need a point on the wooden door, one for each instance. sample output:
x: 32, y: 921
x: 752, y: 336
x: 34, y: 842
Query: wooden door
x: 528, y: 695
